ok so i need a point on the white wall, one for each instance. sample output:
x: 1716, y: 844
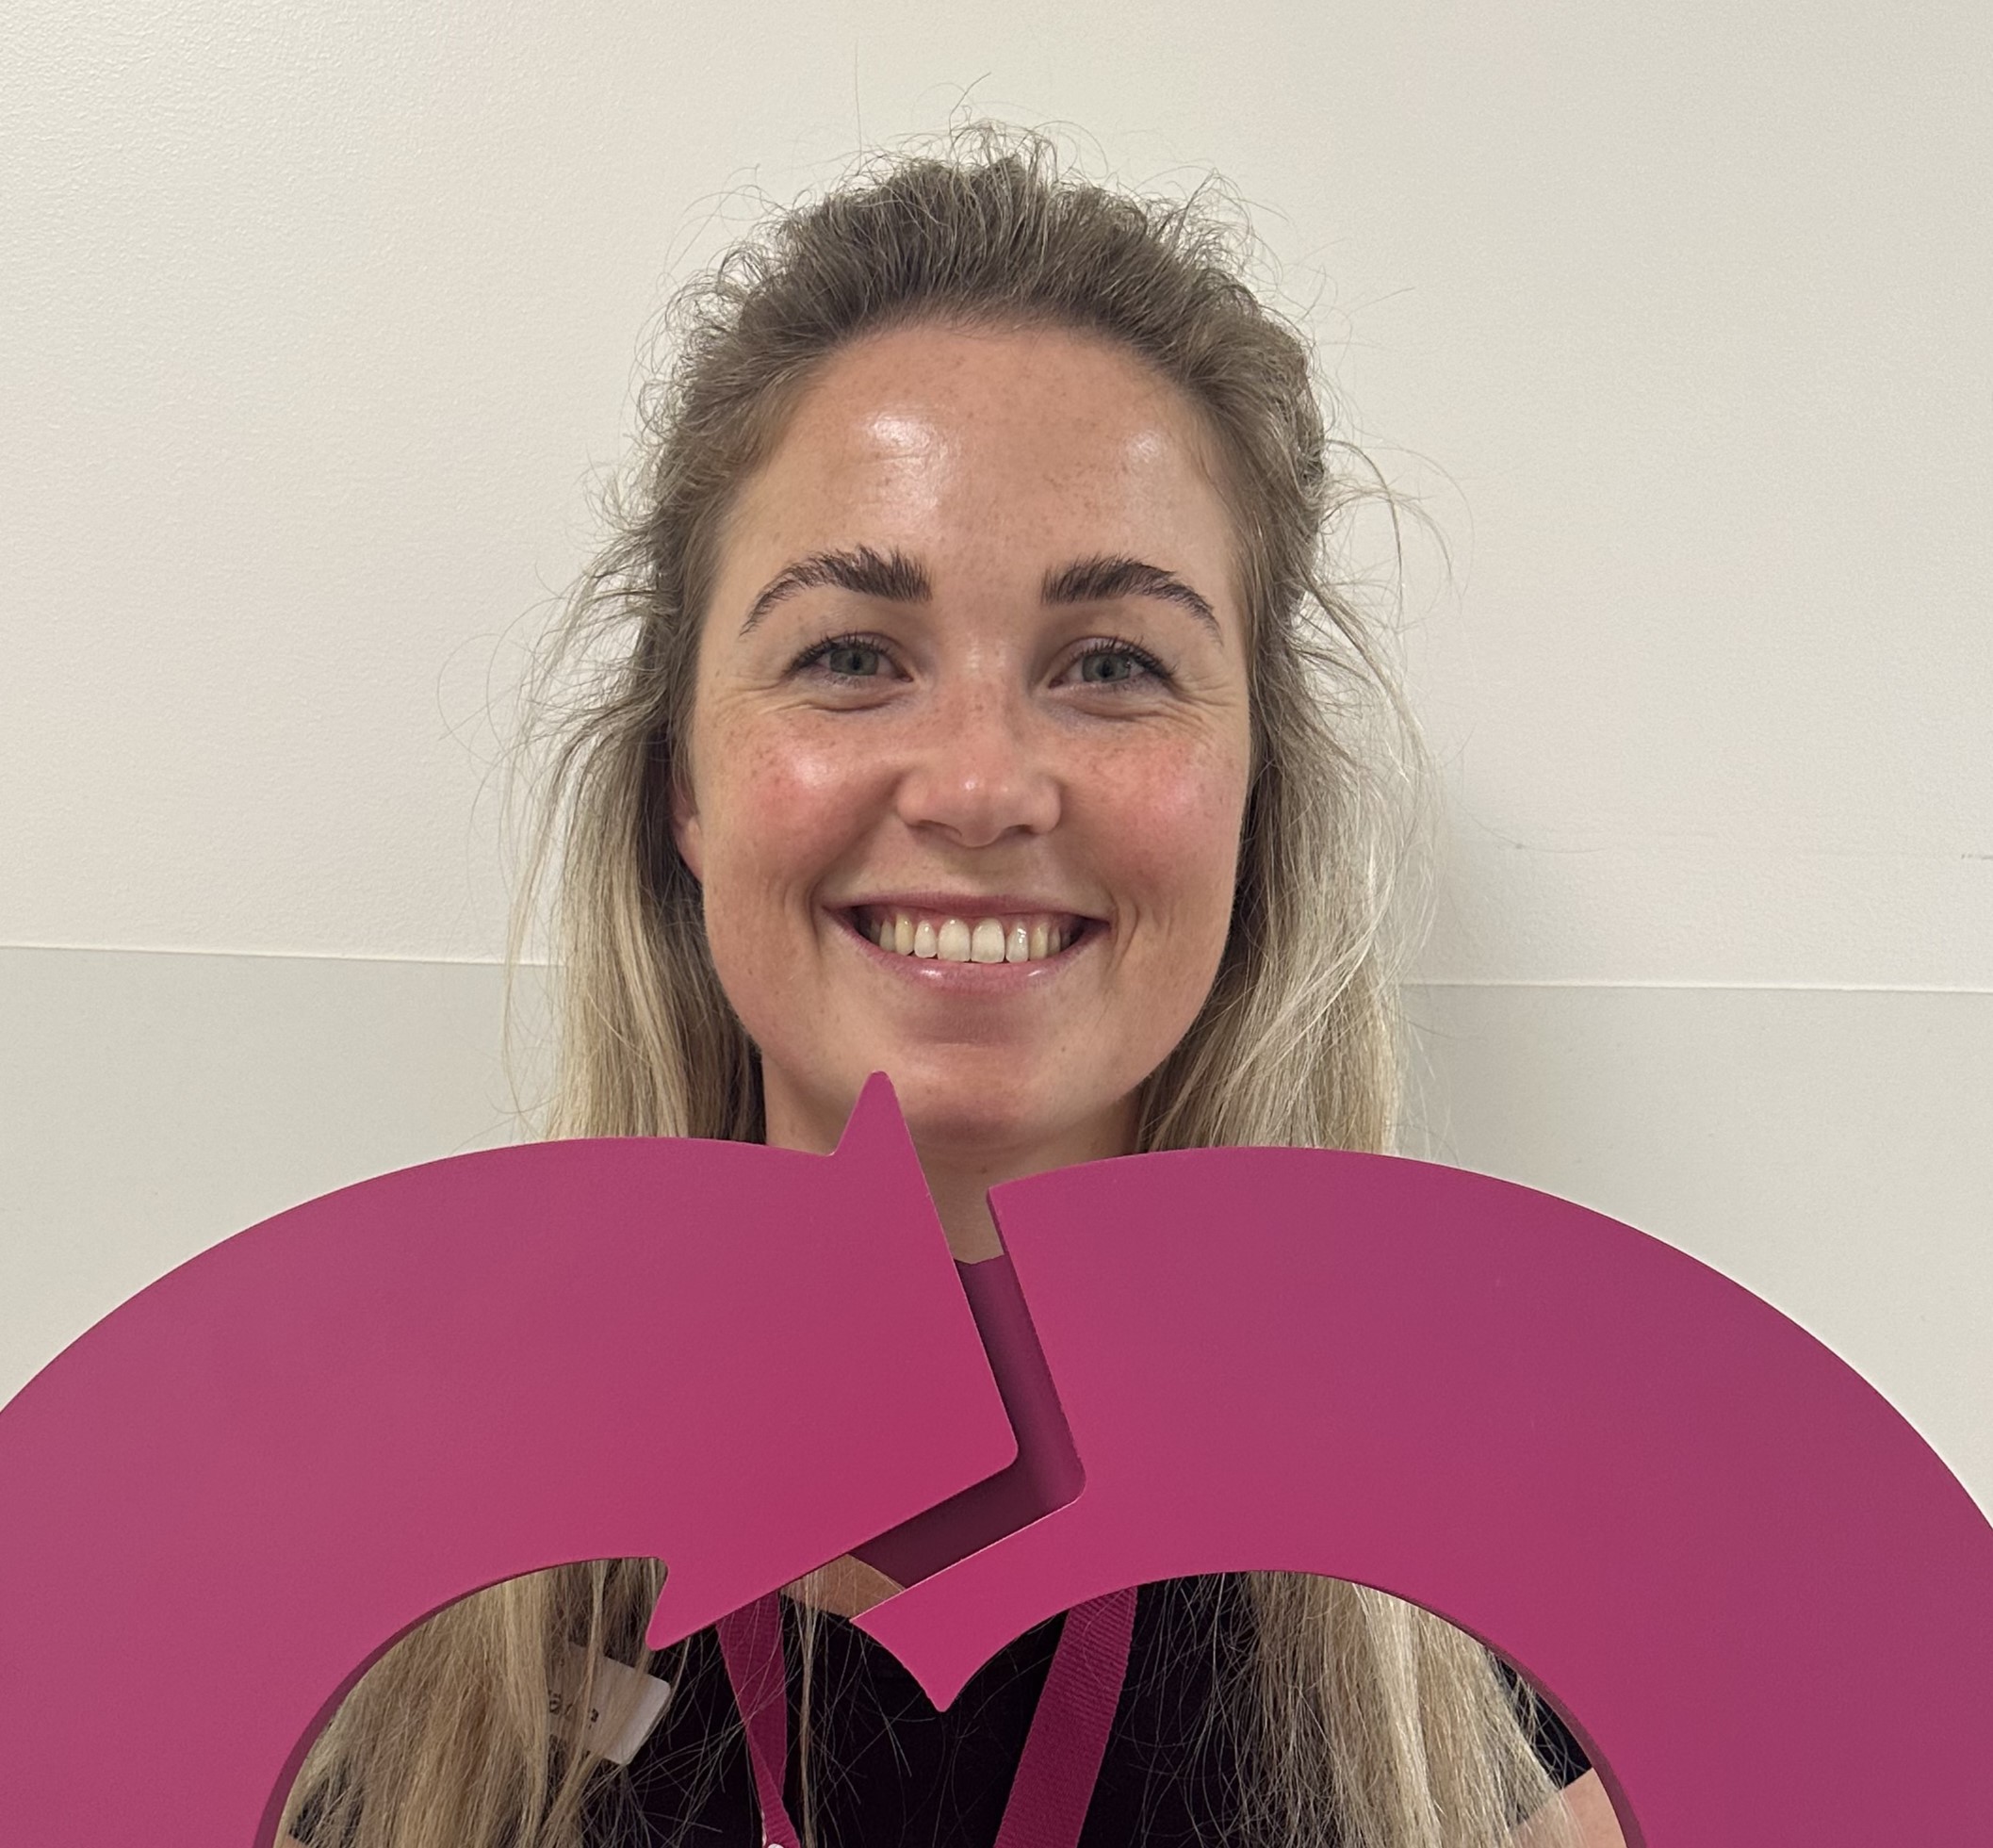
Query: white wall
x: 319, y: 320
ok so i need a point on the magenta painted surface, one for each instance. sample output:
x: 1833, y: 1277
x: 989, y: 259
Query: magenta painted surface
x: 1760, y: 1598
x: 225, y: 1498
x: 1047, y: 1473
x: 1754, y: 1590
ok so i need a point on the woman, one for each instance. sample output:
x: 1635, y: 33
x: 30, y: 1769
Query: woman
x: 968, y: 702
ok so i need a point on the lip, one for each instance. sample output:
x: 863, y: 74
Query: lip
x: 987, y: 980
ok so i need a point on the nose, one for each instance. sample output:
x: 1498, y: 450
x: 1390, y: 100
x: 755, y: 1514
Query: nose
x: 979, y: 769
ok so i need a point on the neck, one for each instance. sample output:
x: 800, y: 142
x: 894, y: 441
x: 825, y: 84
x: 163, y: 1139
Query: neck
x: 960, y: 1179
x: 961, y: 1170
x: 846, y: 1587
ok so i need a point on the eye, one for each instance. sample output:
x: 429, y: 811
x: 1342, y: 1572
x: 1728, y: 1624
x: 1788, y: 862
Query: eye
x: 1110, y: 663
x: 844, y: 658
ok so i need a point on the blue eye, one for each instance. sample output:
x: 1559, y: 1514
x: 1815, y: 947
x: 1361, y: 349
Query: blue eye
x: 1113, y: 663
x: 844, y: 658
x: 1106, y: 666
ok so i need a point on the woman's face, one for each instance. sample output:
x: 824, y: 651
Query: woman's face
x: 970, y: 747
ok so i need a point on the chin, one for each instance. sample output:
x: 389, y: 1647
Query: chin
x: 953, y: 1116
x: 962, y: 1113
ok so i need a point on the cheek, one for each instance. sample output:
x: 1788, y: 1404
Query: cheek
x: 782, y: 806
x: 779, y: 811
x: 1168, y: 823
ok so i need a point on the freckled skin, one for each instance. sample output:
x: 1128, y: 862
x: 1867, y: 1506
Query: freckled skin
x: 968, y: 747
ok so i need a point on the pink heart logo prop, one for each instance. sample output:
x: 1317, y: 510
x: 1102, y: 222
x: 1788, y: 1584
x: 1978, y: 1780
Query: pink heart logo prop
x: 1758, y: 1597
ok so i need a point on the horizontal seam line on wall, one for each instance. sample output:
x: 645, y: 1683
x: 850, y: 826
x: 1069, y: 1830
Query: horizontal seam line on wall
x: 265, y: 955
x: 1410, y: 981
x: 1727, y: 988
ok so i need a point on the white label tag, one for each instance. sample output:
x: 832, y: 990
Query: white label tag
x: 626, y: 1704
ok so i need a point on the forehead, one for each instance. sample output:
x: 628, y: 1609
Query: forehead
x: 978, y: 442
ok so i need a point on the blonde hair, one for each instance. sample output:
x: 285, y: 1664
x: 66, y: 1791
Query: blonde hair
x: 1368, y: 1722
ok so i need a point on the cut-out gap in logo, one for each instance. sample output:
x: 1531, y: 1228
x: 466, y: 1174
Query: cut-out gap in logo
x: 1047, y: 1474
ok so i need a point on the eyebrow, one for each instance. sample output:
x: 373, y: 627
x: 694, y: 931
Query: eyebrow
x: 894, y: 578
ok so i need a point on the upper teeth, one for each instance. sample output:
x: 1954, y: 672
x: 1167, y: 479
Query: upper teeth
x: 960, y: 940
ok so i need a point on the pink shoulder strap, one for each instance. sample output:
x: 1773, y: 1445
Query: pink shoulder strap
x: 1062, y: 1752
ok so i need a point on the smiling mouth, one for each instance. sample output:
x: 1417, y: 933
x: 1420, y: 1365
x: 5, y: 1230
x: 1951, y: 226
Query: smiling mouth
x: 997, y: 937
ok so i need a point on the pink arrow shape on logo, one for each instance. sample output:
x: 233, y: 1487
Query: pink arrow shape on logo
x: 1760, y: 1597
x: 229, y: 1494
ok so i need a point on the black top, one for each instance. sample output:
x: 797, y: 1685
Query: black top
x: 888, y: 1772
